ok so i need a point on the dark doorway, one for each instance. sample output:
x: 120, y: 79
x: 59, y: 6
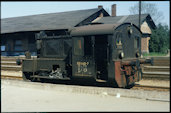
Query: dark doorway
x: 101, y: 56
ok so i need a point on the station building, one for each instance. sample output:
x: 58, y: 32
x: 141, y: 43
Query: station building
x: 18, y: 33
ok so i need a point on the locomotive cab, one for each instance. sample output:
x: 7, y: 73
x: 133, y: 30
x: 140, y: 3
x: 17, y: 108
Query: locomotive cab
x: 108, y: 53
x: 90, y: 56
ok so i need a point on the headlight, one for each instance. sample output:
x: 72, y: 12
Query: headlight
x: 121, y: 55
x: 130, y: 30
x: 137, y: 54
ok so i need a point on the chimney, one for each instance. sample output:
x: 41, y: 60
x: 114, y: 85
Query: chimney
x: 114, y: 10
x: 100, y: 6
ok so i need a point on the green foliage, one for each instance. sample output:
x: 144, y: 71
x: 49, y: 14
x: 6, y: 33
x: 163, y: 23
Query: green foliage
x: 153, y: 54
x: 160, y: 39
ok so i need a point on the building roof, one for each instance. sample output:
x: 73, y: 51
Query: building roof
x: 51, y: 21
x: 128, y: 18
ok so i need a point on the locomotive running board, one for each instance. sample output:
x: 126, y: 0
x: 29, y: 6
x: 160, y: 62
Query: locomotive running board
x: 37, y: 76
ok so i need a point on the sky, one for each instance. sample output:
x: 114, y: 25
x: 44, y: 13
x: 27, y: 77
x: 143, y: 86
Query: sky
x: 15, y: 9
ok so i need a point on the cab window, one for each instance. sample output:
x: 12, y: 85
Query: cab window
x: 136, y: 42
x: 118, y: 40
x: 54, y: 47
x: 78, y: 46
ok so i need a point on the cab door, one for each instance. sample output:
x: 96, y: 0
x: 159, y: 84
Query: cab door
x: 83, y: 64
x: 101, y: 56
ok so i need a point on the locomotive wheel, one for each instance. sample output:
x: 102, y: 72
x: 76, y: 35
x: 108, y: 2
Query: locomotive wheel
x: 26, y: 76
x: 33, y: 79
x: 42, y: 80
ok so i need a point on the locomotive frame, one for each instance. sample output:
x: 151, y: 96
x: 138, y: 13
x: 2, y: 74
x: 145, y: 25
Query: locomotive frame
x: 109, y: 53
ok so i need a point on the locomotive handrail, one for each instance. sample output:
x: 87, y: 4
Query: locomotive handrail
x: 42, y: 35
x: 54, y: 37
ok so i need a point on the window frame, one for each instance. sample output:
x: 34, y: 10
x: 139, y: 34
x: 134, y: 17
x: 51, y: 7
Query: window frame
x: 79, y: 43
x: 44, y: 48
x: 17, y: 45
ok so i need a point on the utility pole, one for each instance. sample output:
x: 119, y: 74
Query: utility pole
x: 140, y: 26
x: 140, y: 14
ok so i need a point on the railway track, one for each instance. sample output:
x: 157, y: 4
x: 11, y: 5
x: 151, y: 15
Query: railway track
x: 11, y: 77
x: 148, y: 87
x: 136, y: 86
x: 160, y: 70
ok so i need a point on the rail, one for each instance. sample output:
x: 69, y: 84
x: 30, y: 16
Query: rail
x: 11, y: 77
x: 148, y: 87
x: 135, y: 87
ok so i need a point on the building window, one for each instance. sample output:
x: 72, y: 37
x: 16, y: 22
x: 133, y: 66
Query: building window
x: 18, y: 45
x: 3, y: 44
x: 3, y: 48
x: 31, y: 44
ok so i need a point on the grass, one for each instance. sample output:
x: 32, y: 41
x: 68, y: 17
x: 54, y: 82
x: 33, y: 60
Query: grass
x: 154, y: 54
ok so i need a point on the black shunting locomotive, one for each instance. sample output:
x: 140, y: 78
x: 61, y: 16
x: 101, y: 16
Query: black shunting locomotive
x: 108, y: 53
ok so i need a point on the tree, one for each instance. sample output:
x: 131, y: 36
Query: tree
x: 160, y: 39
x: 148, y: 8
